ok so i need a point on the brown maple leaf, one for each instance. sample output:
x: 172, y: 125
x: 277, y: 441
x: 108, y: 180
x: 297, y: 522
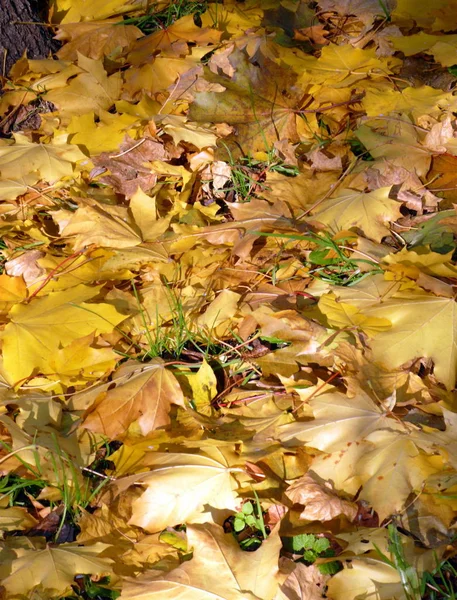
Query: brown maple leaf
x: 127, y: 170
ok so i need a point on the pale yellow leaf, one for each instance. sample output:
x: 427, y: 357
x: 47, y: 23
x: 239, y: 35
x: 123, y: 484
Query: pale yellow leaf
x: 219, y: 570
x: 94, y: 223
x: 144, y: 212
x: 338, y: 420
x: 52, y: 568
x: 343, y: 315
x: 12, y: 291
x: 423, y: 325
x: 16, y: 518
x: 49, y: 162
x: 178, y: 487
x: 204, y: 387
x: 91, y: 90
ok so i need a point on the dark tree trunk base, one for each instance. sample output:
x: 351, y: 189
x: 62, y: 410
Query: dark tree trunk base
x: 16, y: 37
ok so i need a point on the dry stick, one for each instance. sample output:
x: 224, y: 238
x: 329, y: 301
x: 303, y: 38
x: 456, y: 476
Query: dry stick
x: 18, y: 106
x: 313, y: 111
x: 171, y: 94
x: 331, y: 191
x: 370, y: 258
x: 129, y: 150
x: 384, y: 118
x: 5, y: 53
x: 318, y: 389
x: 54, y: 271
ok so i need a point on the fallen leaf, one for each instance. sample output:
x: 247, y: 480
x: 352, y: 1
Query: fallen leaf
x: 36, y: 330
x: 321, y: 503
x: 304, y: 583
x: 252, y: 101
x: 96, y: 39
x: 338, y: 420
x: 91, y: 90
x: 179, y: 486
x: 38, y: 161
x: 423, y: 325
x: 52, y: 568
x: 173, y: 40
x: 218, y: 569
x: 96, y: 224
x: 128, y: 168
x: 370, y: 212
x: 143, y: 392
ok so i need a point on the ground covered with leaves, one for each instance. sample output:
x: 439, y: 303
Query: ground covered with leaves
x: 228, y: 243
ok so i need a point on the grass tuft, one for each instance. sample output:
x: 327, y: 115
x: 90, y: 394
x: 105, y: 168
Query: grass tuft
x: 163, y: 18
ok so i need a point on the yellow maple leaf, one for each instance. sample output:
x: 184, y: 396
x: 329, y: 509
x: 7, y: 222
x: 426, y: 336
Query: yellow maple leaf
x: 343, y: 65
x: 398, y: 143
x: 144, y: 211
x: 52, y: 568
x: 71, y: 11
x: 438, y: 15
x: 423, y: 325
x: 94, y: 223
x: 50, y: 162
x: 217, y: 570
x: 441, y: 47
x: 425, y: 261
x: 179, y: 486
x: 371, y: 212
x: 233, y: 18
x: 96, y: 39
x: 343, y: 315
x: 159, y: 74
x: 104, y: 136
x: 380, y: 98
x: 91, y: 90
x: 338, y: 420
x: 12, y: 291
x: 82, y: 268
x: 36, y: 330
x: 173, y: 40
x: 204, y: 388
x: 219, y: 314
x: 78, y: 362
x: 391, y: 469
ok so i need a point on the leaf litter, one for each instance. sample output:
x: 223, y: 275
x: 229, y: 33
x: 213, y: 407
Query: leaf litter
x: 228, y: 244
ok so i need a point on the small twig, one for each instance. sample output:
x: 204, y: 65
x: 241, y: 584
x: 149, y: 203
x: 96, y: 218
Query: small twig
x: 101, y: 475
x: 317, y: 390
x: 54, y: 272
x: 32, y: 23
x: 331, y: 190
x: 370, y: 258
x: 313, y: 111
x: 129, y: 150
x: 14, y: 452
x: 170, y: 96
